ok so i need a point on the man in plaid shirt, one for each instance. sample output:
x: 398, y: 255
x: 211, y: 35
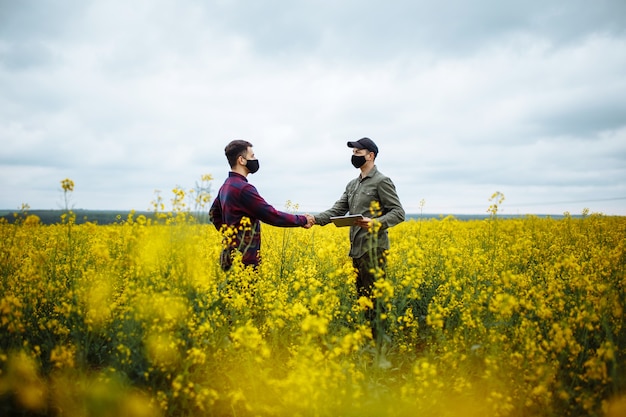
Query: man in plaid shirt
x: 238, y: 209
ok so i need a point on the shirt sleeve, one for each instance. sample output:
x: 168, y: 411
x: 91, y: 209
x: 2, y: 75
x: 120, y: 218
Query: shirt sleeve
x: 215, y: 213
x: 393, y: 213
x: 260, y: 209
x: 340, y: 208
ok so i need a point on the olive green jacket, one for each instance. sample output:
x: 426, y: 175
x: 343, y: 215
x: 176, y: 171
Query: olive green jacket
x: 356, y: 199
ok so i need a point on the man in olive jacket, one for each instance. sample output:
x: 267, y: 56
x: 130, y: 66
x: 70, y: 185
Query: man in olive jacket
x: 371, y: 186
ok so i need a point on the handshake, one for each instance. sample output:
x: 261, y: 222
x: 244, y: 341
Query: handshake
x: 310, y: 221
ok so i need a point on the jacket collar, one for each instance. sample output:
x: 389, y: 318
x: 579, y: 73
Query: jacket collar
x: 370, y: 174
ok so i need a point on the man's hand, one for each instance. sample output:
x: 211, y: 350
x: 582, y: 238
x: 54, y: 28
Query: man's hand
x: 364, y: 222
x: 310, y: 221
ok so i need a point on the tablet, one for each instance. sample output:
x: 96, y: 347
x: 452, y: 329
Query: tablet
x: 349, y: 220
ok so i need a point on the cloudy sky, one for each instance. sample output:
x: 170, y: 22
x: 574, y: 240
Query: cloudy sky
x: 463, y: 98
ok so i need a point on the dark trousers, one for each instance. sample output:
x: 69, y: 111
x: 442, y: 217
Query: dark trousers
x: 366, y: 276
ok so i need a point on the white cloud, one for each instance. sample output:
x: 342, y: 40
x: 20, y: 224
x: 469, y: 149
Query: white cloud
x: 527, y: 99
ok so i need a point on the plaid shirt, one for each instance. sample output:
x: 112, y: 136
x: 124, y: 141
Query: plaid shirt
x: 237, y: 199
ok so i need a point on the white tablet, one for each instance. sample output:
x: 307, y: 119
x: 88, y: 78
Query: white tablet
x: 349, y: 220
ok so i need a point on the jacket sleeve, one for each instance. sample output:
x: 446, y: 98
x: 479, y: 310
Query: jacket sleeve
x: 393, y: 213
x: 340, y: 208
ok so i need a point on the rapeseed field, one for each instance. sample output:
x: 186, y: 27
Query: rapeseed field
x: 493, y: 317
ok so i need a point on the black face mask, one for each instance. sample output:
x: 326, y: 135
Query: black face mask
x: 358, y: 161
x: 252, y: 165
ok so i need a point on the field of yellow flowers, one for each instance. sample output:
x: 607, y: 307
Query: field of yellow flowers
x: 494, y: 317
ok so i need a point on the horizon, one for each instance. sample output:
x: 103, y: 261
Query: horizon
x: 408, y: 215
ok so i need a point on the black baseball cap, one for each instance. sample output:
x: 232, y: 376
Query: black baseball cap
x: 364, y: 143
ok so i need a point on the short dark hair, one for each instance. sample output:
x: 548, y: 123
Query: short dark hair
x: 235, y: 149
